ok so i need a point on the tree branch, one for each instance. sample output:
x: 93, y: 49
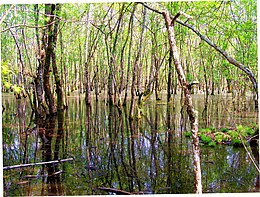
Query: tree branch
x: 154, y: 10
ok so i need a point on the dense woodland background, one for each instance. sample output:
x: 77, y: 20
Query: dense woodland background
x: 120, y: 50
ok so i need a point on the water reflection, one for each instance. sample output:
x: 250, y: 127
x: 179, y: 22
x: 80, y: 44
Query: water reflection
x: 150, y: 155
x: 51, y: 151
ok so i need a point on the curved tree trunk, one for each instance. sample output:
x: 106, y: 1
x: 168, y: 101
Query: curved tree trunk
x: 188, y: 100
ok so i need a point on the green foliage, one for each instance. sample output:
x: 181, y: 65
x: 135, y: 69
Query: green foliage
x: 205, y: 130
x: 212, y: 137
x: 219, y: 137
x: 6, y: 84
x: 5, y: 69
x: 205, y: 139
x: 245, y: 130
x: 17, y: 89
x: 233, y: 134
x: 236, y: 142
x: 6, y: 75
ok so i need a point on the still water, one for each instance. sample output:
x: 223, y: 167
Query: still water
x: 150, y: 155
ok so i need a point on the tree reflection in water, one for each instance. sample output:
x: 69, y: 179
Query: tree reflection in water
x: 51, y: 143
x: 149, y: 155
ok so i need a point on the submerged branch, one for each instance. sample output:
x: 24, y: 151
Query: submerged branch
x: 34, y: 164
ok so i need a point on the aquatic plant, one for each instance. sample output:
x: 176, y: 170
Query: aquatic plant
x: 212, y: 136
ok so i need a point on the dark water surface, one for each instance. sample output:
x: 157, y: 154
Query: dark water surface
x: 151, y: 155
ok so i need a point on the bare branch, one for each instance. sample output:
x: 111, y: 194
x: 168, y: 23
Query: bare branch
x: 175, y: 18
x: 154, y: 10
x: 181, y: 13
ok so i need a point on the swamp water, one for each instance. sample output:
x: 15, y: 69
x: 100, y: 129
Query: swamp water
x: 151, y: 155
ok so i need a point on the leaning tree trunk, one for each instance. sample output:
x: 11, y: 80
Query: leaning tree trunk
x: 188, y: 99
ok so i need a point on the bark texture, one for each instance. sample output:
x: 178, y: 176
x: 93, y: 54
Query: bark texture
x: 48, y: 42
x: 188, y: 100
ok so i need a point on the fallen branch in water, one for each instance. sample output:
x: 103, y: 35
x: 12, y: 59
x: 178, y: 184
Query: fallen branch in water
x: 116, y: 191
x: 35, y: 164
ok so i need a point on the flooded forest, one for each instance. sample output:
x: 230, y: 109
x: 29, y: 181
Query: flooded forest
x: 129, y: 98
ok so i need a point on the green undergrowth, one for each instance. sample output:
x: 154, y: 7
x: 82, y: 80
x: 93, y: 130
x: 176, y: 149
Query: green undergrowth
x: 230, y: 136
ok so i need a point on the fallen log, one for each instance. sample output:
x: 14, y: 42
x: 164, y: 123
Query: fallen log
x: 35, y: 164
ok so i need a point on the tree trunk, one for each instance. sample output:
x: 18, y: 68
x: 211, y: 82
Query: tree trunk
x: 39, y: 101
x: 87, y: 59
x: 135, y: 69
x: 188, y: 100
x: 49, y: 44
x: 169, y: 82
x: 58, y: 82
x: 129, y: 53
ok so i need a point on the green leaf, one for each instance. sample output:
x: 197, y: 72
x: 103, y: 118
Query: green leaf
x: 17, y: 89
